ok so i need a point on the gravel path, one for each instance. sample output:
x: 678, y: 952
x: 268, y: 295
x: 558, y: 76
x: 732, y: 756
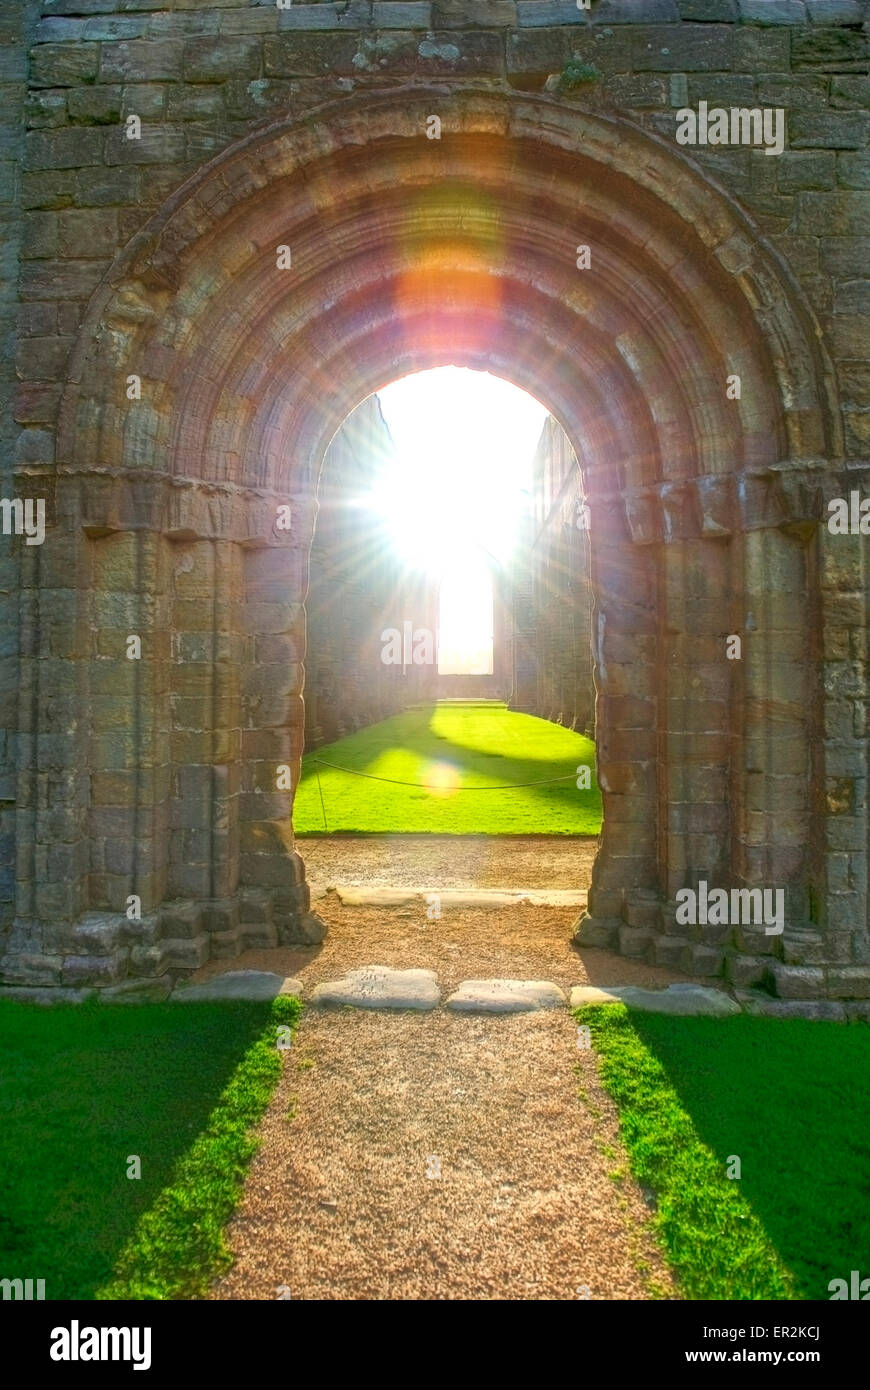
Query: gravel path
x: 338, y: 1204
x: 520, y: 942
x: 449, y: 861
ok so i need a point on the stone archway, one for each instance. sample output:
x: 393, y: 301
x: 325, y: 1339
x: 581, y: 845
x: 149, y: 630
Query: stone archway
x: 157, y: 777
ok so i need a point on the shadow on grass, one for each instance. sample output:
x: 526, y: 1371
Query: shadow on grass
x: 789, y: 1098
x: 81, y: 1090
x: 491, y: 746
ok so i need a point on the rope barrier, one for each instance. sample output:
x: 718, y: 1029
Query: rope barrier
x: 430, y: 786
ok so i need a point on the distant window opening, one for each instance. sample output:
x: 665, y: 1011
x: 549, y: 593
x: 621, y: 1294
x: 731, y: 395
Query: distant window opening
x: 465, y: 622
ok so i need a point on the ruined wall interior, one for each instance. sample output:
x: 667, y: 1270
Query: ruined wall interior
x: 434, y: 168
x: 559, y: 617
x: 356, y: 589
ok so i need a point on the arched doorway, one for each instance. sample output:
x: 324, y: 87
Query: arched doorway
x: 188, y: 511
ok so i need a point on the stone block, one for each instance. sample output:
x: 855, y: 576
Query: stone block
x: 701, y: 959
x: 829, y: 50
x: 798, y: 171
x: 607, y: 12
x: 27, y: 969
x: 159, y: 145
x: 144, y: 60
x: 798, y: 981
x: 668, y: 951
x: 212, y: 60
x: 98, y: 105
x: 107, y: 187
x: 47, y: 998
x: 836, y: 11
x: 379, y: 987
x: 549, y: 13
x: 849, y: 981
x: 137, y: 991
x: 746, y: 972
x: 45, y: 109
x: 643, y: 89
x: 400, y: 14
x: 851, y: 91
x: 853, y: 170
x: 337, y: 14
x: 473, y: 14
x: 680, y: 1000
x: 708, y: 11
x: 43, y: 359
x: 225, y: 945
x: 70, y: 148
x: 772, y: 11
x: 635, y: 941
x: 505, y: 996
x: 301, y: 929
x: 806, y: 91
x: 682, y: 48
x: 754, y: 942
x: 96, y: 934
x: 62, y: 64
x: 88, y: 233
x: 842, y: 130
x: 539, y: 51
x: 839, y: 213
x: 258, y: 936
x: 187, y: 103
x: 144, y: 931
x: 762, y: 50
x: 310, y: 55
x: 819, y: 1010
x: 185, y: 954
x: 95, y: 970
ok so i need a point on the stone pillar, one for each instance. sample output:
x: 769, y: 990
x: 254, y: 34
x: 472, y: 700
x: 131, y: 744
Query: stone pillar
x: 624, y: 895
x: 275, y: 578
x: 128, y: 713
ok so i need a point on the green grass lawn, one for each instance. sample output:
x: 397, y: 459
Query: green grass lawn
x: 790, y: 1099
x: 458, y: 747
x: 82, y: 1089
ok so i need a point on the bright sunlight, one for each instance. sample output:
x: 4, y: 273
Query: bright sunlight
x: 454, y: 493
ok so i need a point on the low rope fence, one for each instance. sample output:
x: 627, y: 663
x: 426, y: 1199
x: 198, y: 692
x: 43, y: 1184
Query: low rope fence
x: 427, y: 786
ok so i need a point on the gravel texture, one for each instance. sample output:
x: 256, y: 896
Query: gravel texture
x: 339, y: 1202
x: 521, y: 942
x: 450, y: 861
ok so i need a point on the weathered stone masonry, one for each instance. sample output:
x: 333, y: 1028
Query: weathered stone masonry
x: 552, y: 593
x: 355, y: 589
x: 157, y: 258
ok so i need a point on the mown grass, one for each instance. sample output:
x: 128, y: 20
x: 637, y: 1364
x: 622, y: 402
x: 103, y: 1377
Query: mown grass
x: 788, y: 1098
x: 452, y: 748
x: 81, y: 1091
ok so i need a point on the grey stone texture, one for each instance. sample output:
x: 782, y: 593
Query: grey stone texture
x: 682, y: 1000
x: 708, y: 516
x: 380, y: 987
x: 505, y: 997
x: 237, y: 984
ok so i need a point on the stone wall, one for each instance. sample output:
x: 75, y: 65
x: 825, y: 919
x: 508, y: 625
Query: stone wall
x: 156, y: 257
x: 357, y: 590
x: 559, y: 619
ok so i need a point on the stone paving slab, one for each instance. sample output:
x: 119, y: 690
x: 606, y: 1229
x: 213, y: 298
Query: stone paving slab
x: 505, y: 996
x: 238, y: 984
x: 379, y: 987
x: 676, y: 999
